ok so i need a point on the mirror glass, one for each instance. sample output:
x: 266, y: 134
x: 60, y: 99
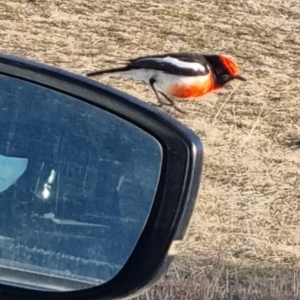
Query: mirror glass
x: 76, y: 188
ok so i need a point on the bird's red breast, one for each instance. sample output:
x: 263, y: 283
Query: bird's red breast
x: 193, y: 89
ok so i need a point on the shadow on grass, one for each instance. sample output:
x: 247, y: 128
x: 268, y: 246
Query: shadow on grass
x: 202, y: 279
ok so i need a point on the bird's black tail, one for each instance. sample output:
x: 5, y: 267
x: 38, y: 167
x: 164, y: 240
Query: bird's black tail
x: 107, y: 71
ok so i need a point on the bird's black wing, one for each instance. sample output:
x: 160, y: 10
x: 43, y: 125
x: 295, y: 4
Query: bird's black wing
x: 184, y: 64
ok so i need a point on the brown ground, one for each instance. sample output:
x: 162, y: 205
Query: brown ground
x: 244, y: 237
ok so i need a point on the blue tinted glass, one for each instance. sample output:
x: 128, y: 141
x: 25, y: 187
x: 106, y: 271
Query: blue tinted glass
x: 76, y: 187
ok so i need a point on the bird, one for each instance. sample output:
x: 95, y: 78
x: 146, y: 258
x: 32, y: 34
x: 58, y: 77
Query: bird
x: 181, y: 76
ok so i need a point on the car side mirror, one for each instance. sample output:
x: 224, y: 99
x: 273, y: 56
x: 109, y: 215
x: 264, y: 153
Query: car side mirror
x: 95, y: 186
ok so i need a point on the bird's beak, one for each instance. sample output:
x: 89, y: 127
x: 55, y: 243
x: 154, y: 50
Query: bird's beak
x: 239, y: 77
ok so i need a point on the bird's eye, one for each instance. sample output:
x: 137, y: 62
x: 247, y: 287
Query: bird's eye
x: 226, y: 77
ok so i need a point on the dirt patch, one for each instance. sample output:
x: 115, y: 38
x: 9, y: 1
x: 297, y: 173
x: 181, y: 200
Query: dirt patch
x: 244, y: 238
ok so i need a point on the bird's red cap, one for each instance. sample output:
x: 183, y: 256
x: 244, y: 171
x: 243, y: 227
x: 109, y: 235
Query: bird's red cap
x: 231, y: 67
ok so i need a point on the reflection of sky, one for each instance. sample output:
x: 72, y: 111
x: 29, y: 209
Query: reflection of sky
x: 11, y: 168
x: 85, y: 166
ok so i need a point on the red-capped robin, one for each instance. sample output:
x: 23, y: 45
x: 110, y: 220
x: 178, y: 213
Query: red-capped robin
x: 179, y: 75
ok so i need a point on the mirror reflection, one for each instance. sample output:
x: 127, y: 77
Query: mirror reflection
x: 76, y: 187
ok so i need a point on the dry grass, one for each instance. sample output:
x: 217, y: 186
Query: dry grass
x: 244, y: 237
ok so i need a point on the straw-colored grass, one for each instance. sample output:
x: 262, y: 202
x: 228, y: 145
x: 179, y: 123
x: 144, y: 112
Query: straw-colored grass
x: 244, y: 237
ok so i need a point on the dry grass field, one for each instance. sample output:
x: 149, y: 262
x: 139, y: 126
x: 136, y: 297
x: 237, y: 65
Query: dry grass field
x: 243, y: 241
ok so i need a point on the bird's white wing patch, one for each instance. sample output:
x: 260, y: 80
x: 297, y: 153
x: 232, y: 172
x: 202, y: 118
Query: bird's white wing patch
x: 178, y: 63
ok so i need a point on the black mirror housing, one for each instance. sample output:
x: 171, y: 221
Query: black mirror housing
x: 176, y: 151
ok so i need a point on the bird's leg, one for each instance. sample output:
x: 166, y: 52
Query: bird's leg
x: 172, y: 103
x: 161, y: 103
